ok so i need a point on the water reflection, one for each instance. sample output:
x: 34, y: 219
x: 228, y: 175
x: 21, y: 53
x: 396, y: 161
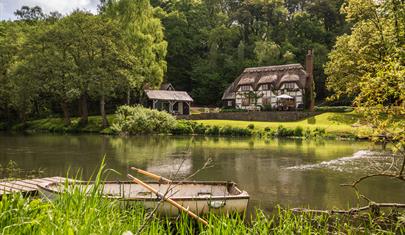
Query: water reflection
x: 266, y: 169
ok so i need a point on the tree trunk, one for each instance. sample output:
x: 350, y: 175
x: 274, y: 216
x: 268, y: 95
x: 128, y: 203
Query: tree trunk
x: 128, y: 96
x: 84, y: 118
x: 102, y: 111
x: 66, y: 116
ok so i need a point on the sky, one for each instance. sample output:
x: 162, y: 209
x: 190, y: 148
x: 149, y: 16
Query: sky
x: 8, y: 7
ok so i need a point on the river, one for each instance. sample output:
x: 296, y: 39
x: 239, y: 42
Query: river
x: 292, y: 173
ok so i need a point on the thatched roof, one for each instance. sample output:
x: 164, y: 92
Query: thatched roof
x: 274, y: 75
x: 168, y: 95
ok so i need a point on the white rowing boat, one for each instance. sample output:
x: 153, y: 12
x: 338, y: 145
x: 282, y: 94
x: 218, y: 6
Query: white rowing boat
x: 198, y: 196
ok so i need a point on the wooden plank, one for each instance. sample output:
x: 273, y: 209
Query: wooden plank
x: 26, y: 185
x: 39, y: 181
x: 33, y: 183
x: 3, y: 191
x: 54, y: 179
x: 13, y: 185
x: 8, y: 189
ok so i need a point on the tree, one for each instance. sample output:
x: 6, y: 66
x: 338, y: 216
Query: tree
x: 372, y: 42
x: 95, y: 46
x: 368, y: 65
x: 30, y: 14
x: 144, y: 37
x: 10, y: 44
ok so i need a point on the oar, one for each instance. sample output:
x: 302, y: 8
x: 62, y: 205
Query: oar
x: 151, y: 175
x: 159, y: 195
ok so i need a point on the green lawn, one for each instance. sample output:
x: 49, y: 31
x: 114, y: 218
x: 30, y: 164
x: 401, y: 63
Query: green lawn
x: 335, y: 123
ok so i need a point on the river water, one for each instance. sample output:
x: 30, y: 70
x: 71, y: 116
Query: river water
x: 292, y: 173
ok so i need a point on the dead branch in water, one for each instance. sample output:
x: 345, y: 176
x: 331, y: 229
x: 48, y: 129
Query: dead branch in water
x: 372, y: 206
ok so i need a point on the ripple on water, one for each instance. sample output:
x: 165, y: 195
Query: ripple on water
x: 363, y: 161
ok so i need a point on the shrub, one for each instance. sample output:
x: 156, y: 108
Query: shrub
x: 339, y: 109
x: 319, y: 132
x: 307, y: 133
x: 140, y: 120
x: 235, y: 131
x: 298, y: 131
x: 267, y: 129
x: 267, y: 107
x: 182, y: 128
x: 212, y: 130
x: 251, y: 126
x: 227, y: 110
x: 284, y: 132
x: 199, y: 128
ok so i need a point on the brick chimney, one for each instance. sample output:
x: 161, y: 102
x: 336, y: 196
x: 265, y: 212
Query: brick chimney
x: 309, y: 67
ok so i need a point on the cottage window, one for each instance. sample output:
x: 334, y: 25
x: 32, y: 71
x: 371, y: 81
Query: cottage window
x: 289, y: 85
x: 266, y: 100
x: 229, y: 102
x: 245, y: 88
x: 245, y: 102
x: 265, y: 87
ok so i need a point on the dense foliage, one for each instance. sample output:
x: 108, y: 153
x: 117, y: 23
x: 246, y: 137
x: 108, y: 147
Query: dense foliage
x: 368, y: 65
x: 211, y: 42
x: 49, y: 60
x: 139, y: 120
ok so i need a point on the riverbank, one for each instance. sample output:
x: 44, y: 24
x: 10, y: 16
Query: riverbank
x: 329, y: 125
x: 75, y: 213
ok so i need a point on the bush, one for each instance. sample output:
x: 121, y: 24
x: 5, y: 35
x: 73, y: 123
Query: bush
x: 140, y: 120
x: 251, y: 126
x: 186, y: 127
x: 267, y: 107
x: 338, y: 109
x: 298, y: 131
x: 284, y: 132
x: 212, y: 130
x: 307, y: 133
x: 235, y: 131
x: 229, y: 110
x: 182, y: 128
x: 199, y: 128
x: 319, y: 132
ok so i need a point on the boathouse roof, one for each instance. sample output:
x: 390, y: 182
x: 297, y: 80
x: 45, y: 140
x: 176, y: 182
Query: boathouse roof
x: 168, y: 95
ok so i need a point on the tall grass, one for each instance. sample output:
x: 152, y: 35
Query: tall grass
x: 81, y: 210
x: 77, y: 213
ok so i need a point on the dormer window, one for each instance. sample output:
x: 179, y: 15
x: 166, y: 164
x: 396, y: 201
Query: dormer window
x: 245, y: 88
x: 265, y: 87
x: 289, y: 85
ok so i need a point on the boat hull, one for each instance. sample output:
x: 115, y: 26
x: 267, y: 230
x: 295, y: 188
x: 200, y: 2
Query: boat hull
x: 201, y: 204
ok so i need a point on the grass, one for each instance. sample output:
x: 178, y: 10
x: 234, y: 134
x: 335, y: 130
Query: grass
x: 75, y: 212
x: 85, y: 211
x: 339, y: 124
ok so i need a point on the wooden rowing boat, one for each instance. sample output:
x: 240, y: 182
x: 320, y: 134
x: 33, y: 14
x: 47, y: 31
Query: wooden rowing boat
x: 198, y: 196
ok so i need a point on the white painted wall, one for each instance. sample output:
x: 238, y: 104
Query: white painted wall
x: 298, y: 95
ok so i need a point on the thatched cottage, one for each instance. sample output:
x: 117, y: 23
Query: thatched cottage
x: 170, y: 100
x: 281, y: 87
